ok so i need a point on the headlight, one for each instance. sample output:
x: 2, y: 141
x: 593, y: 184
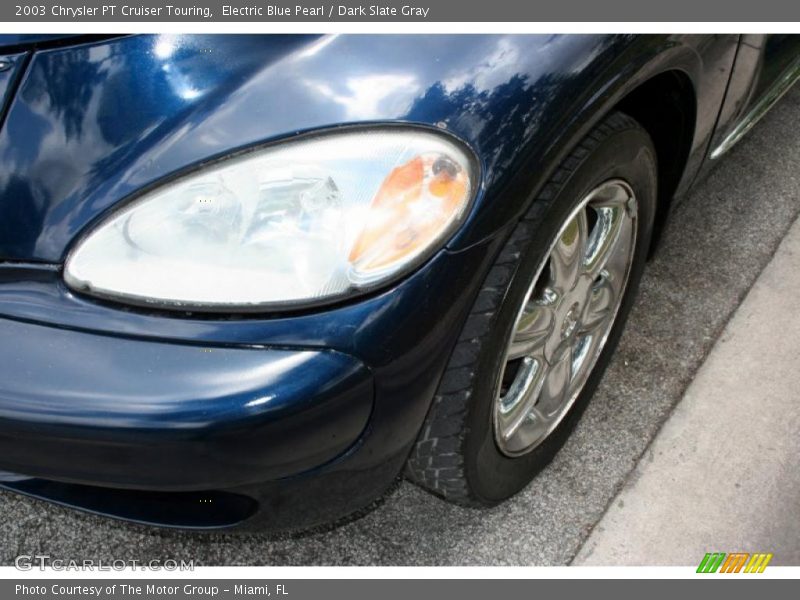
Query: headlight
x: 296, y: 223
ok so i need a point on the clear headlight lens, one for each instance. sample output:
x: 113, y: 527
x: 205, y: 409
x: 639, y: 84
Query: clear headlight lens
x: 296, y: 223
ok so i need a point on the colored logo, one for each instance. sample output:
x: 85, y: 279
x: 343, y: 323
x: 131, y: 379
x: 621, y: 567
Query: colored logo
x: 737, y: 562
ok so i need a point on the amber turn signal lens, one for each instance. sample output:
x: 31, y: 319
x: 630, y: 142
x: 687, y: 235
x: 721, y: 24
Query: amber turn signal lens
x: 413, y: 208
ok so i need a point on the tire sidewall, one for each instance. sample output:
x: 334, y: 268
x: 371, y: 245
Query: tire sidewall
x: 628, y: 155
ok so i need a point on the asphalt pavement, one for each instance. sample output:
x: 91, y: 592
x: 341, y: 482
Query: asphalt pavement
x: 715, y: 247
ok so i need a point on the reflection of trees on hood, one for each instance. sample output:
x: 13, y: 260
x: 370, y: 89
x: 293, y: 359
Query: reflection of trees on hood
x: 66, y: 85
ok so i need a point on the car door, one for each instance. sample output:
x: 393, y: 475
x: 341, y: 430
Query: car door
x: 765, y: 68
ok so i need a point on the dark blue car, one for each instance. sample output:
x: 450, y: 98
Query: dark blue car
x: 250, y: 281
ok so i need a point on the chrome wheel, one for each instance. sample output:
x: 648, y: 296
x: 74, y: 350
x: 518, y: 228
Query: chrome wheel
x: 565, y: 318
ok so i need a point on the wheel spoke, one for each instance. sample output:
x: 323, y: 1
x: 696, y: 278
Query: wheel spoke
x: 556, y: 384
x: 605, y: 237
x: 599, y: 306
x: 566, y: 259
x: 522, y: 395
x: 534, y: 327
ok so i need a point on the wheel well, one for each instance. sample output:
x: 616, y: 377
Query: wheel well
x: 665, y: 106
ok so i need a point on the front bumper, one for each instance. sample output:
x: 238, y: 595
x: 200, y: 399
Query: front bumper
x: 129, y: 413
x: 171, y: 434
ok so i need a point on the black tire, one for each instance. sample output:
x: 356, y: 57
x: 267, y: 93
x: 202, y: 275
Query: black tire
x: 455, y: 455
